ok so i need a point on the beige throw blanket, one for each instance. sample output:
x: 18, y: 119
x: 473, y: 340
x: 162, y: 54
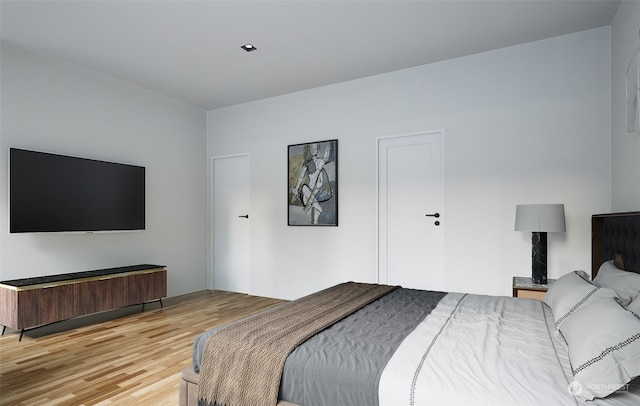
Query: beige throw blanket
x: 242, y: 364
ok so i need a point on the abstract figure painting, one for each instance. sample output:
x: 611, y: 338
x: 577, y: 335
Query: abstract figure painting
x: 313, y: 184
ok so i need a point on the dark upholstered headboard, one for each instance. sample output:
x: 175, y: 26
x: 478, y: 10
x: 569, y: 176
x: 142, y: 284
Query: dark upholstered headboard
x: 615, y: 234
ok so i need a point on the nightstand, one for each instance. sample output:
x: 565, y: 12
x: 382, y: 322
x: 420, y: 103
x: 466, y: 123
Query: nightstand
x: 525, y: 288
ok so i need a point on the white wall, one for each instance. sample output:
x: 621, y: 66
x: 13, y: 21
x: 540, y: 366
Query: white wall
x: 625, y: 165
x: 525, y: 124
x: 49, y: 105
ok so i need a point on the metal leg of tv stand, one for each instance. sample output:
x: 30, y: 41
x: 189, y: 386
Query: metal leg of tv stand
x: 157, y: 300
x: 23, y: 330
x: 4, y: 328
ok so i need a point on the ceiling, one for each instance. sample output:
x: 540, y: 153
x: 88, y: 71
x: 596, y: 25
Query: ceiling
x: 190, y: 50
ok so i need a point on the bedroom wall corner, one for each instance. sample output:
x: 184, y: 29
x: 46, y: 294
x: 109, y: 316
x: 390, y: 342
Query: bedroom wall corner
x: 53, y: 106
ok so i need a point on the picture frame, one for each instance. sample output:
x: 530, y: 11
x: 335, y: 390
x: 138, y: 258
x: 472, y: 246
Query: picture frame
x: 312, y: 197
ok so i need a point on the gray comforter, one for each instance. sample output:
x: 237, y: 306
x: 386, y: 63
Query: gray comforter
x: 342, y: 364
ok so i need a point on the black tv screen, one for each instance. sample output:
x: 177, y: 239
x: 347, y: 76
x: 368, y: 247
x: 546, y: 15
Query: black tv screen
x: 57, y: 193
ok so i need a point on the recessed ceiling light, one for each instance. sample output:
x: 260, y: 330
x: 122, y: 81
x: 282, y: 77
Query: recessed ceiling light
x: 248, y: 47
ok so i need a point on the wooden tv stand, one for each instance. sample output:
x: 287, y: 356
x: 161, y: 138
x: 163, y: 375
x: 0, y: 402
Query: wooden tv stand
x: 32, y: 302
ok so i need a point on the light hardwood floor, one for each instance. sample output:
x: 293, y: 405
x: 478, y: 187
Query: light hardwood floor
x: 134, y: 359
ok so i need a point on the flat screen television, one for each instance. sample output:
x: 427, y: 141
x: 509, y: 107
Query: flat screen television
x: 58, y: 193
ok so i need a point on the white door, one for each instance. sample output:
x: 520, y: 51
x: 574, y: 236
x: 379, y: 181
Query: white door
x: 231, y: 238
x: 410, y: 196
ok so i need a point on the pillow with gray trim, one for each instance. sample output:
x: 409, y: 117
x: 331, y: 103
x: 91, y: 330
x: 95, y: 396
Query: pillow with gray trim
x: 606, y: 358
x: 625, y: 284
x: 570, y: 292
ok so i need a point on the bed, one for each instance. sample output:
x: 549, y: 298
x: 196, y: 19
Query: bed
x: 395, y: 346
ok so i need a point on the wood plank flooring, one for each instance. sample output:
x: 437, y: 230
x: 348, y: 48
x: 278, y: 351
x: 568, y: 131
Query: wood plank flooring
x: 134, y: 359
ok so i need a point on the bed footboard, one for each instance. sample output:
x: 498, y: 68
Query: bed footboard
x: 188, y: 389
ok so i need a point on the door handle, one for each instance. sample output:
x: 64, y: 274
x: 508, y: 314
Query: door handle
x: 436, y: 215
x: 245, y: 216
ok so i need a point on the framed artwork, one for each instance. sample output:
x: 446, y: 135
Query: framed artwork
x: 313, y: 184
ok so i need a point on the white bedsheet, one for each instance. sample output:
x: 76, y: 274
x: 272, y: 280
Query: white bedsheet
x: 483, y: 350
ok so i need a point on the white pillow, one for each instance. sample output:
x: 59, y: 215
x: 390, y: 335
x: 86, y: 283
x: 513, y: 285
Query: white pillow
x: 634, y: 306
x: 570, y: 292
x: 604, y: 348
x: 626, y: 284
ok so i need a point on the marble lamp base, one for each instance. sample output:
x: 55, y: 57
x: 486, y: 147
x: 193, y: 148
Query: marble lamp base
x: 539, y: 257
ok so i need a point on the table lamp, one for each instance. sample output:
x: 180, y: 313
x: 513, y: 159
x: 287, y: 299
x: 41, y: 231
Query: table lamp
x: 540, y: 219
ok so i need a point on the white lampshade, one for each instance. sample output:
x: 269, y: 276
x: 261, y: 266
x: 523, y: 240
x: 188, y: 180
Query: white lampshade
x: 540, y: 217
